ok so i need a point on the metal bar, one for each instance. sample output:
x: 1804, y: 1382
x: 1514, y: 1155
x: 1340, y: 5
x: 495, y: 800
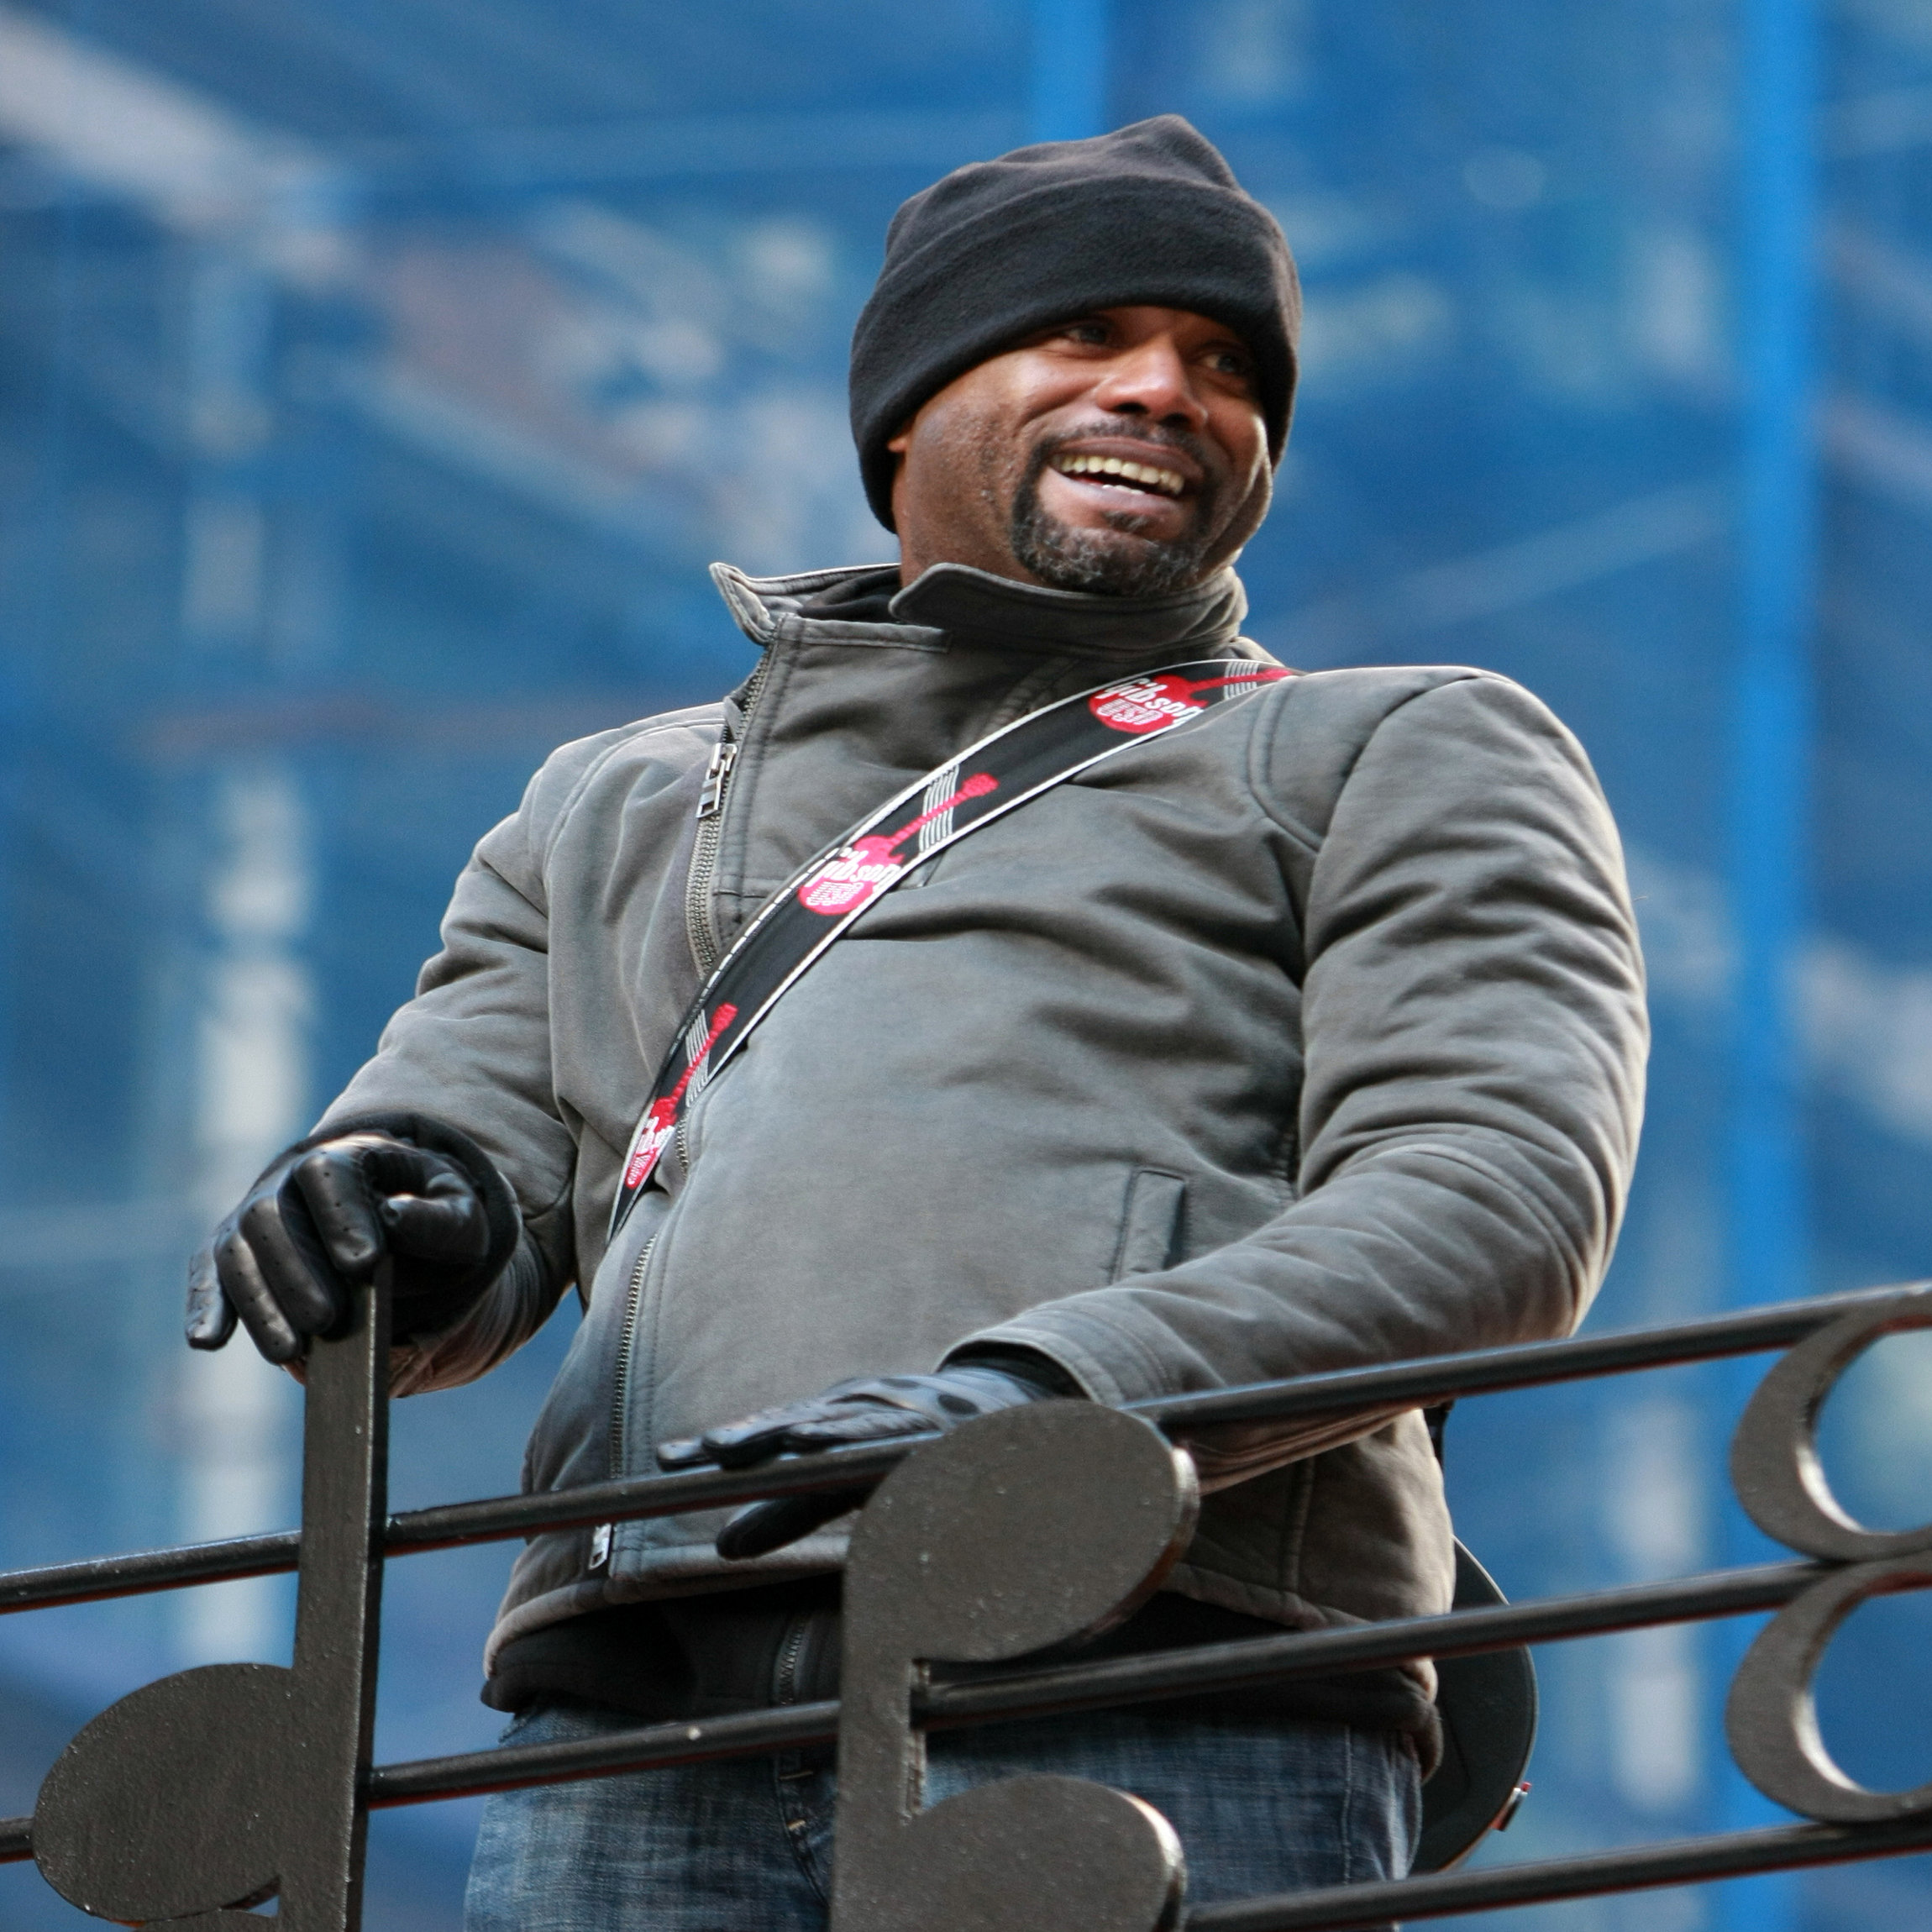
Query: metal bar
x: 1210, y: 1667
x: 1431, y: 1379
x: 324, y: 1818
x: 1335, y: 1909
x: 500, y: 1518
x: 673, y: 147
x: 146, y: 1570
x: 1685, y: 1861
x: 1770, y: 700
x: 494, y: 1519
x: 1527, y: 1365
x: 1142, y: 1679
x: 497, y: 1518
x: 649, y: 1747
x: 1767, y: 818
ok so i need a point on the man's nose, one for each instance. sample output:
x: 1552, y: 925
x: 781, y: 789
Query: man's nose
x: 1152, y: 378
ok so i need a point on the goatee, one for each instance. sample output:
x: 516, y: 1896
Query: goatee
x: 1117, y: 561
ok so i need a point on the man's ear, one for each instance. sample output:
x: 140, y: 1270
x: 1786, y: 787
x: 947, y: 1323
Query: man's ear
x: 898, y: 489
x: 898, y: 445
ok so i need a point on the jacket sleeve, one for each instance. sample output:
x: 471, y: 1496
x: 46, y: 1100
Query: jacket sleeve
x: 473, y: 1048
x: 1474, y: 1036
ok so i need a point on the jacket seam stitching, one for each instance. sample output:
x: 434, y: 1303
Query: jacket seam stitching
x: 573, y: 797
x: 1310, y: 840
x: 734, y: 835
x: 1148, y: 1362
x: 484, y: 863
x: 1287, y: 1159
x: 1026, y: 697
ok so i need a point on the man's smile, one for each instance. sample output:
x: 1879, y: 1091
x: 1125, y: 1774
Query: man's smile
x: 1154, y: 489
x: 1121, y: 473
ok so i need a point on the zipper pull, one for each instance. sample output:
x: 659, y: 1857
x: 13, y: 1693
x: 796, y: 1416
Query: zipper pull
x: 711, y: 800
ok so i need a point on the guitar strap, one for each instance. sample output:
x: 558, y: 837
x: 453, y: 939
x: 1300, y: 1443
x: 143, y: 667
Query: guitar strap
x: 819, y: 903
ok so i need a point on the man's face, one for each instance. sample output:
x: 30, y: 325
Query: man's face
x: 1007, y: 467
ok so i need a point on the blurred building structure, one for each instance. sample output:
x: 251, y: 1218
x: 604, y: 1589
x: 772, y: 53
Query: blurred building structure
x: 375, y: 386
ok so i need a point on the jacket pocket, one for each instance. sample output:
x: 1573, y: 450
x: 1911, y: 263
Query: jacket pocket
x: 1151, y: 1223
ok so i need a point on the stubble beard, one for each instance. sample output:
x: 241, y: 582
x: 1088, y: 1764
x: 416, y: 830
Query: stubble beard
x: 1117, y: 561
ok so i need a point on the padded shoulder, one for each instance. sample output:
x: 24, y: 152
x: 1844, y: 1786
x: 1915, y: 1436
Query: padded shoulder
x: 660, y: 749
x: 645, y: 757
x: 1445, y: 717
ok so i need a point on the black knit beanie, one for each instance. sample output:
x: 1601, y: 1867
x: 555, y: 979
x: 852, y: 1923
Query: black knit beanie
x: 1149, y: 214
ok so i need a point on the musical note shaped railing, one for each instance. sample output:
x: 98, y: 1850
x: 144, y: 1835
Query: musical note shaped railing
x: 215, y: 1790
x: 222, y: 1786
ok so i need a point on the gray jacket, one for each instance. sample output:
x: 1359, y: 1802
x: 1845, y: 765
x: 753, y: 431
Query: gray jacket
x: 1309, y: 1037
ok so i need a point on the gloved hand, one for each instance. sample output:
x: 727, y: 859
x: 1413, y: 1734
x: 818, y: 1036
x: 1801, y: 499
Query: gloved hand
x: 868, y: 1408
x: 317, y: 1222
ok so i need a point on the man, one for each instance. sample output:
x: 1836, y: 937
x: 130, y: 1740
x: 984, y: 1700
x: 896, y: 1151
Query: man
x: 1305, y: 1036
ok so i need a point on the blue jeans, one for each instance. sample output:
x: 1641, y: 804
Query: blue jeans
x: 745, y: 1845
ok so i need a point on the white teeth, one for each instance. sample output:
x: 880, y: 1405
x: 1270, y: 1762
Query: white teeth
x: 1166, y: 481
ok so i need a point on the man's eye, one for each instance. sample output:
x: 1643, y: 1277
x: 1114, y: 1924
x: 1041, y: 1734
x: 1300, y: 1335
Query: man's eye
x: 1092, y: 333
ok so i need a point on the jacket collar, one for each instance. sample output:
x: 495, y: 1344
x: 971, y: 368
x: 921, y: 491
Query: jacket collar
x: 952, y: 605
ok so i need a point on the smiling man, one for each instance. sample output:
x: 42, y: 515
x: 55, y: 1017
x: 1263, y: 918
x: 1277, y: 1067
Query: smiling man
x: 1122, y: 451
x: 1287, y: 1024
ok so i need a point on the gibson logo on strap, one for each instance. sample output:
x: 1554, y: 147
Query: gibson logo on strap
x: 1164, y: 698
x: 857, y: 874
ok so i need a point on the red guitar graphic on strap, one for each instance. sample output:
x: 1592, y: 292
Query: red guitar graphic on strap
x: 857, y: 874
x: 660, y: 1120
x: 1155, y: 702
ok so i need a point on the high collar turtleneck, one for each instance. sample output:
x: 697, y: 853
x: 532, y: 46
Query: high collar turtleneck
x: 953, y: 606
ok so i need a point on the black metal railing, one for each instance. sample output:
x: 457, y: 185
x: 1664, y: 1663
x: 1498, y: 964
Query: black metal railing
x: 207, y: 1739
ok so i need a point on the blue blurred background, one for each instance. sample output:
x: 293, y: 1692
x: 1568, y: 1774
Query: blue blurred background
x: 375, y: 383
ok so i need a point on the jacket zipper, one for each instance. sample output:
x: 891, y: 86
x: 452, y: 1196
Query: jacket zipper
x: 604, y: 1535
x: 711, y: 832
x: 697, y: 891
x: 703, y: 947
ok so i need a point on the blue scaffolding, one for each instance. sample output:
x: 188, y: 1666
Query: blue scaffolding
x: 375, y: 387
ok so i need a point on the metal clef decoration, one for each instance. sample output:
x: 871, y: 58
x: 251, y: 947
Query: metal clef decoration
x: 969, y: 1553
x: 1770, y: 1719
x: 220, y: 1787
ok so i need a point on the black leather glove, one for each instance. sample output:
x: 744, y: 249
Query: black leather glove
x: 323, y: 1214
x: 868, y: 1408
